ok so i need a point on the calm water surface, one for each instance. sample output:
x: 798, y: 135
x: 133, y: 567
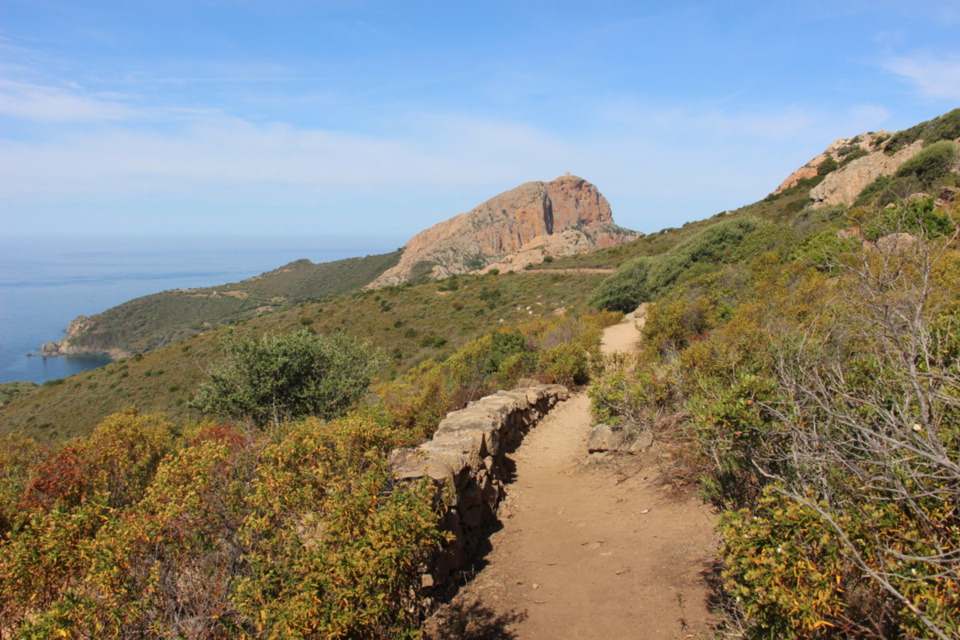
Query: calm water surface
x: 47, y: 282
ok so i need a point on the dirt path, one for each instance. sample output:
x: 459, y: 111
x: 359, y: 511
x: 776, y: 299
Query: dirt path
x: 580, y: 270
x: 587, y: 550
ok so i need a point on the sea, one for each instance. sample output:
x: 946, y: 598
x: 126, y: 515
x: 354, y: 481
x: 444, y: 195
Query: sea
x: 47, y: 282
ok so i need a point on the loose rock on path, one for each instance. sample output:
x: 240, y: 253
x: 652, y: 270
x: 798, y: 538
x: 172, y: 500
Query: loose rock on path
x: 586, y: 551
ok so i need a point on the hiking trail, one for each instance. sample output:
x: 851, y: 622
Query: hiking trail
x: 586, y: 551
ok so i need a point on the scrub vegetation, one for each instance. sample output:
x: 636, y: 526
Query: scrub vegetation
x: 271, y: 524
x: 163, y: 318
x: 803, y: 362
x: 409, y: 325
x: 818, y: 382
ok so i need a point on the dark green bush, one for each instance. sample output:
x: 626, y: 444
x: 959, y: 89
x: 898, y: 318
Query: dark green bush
x: 854, y: 155
x: 847, y: 149
x: 872, y: 192
x: 503, y: 346
x: 919, y: 217
x: 281, y: 377
x: 945, y: 127
x: 827, y: 166
x: 713, y: 245
x: 931, y: 164
x: 625, y: 289
x: 824, y: 250
x: 644, y: 278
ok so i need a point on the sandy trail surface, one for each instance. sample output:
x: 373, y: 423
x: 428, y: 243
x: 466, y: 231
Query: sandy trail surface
x: 587, y: 549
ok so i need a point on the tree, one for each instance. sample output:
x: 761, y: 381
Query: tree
x: 281, y: 377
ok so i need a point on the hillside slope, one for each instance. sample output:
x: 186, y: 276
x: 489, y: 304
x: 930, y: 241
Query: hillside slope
x: 163, y: 318
x: 409, y: 324
x: 799, y: 363
x: 849, y: 165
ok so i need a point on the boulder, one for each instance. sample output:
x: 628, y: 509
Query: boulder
x: 641, y: 442
x: 605, y: 437
x: 895, y: 242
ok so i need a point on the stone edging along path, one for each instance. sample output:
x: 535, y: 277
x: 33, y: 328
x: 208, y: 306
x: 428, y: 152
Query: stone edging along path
x: 467, y: 457
x: 584, y: 547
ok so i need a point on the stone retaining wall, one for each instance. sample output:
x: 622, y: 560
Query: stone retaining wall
x: 466, y: 457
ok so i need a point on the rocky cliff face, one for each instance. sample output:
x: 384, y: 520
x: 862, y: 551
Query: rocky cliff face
x: 845, y: 184
x: 515, y: 228
x: 854, y: 164
x: 838, y: 151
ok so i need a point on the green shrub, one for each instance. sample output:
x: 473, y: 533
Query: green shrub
x: 335, y: 546
x: 920, y: 218
x: 625, y: 289
x: 450, y: 284
x: 281, y: 377
x: 565, y: 364
x: 825, y: 250
x: 827, y: 166
x: 504, y: 345
x: 847, y: 149
x: 644, y: 278
x: 673, y: 323
x: 930, y: 164
x: 624, y: 391
x: 854, y: 155
x: 784, y: 569
x: 945, y: 127
x: 712, y: 245
x: 873, y: 191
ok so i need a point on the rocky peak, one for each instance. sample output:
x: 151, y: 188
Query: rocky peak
x: 567, y: 215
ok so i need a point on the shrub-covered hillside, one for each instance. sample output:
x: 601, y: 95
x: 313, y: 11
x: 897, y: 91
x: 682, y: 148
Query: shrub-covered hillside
x: 410, y: 324
x: 803, y: 361
x: 152, y: 527
x: 815, y: 364
x: 163, y: 318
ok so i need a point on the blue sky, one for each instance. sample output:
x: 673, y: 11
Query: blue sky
x: 382, y: 118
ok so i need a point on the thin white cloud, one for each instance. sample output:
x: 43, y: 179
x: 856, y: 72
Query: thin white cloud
x: 248, y: 160
x: 656, y: 166
x: 777, y: 125
x: 219, y: 161
x: 937, y: 76
x: 52, y: 104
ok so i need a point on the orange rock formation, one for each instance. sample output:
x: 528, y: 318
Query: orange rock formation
x: 567, y: 215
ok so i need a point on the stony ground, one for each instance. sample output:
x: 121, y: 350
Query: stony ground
x: 589, y: 548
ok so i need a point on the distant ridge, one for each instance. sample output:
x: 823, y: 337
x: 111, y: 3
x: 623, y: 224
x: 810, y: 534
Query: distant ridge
x: 515, y: 228
x: 163, y: 318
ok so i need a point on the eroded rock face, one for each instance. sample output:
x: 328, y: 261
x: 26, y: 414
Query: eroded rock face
x: 565, y: 216
x: 844, y: 185
x: 838, y: 150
